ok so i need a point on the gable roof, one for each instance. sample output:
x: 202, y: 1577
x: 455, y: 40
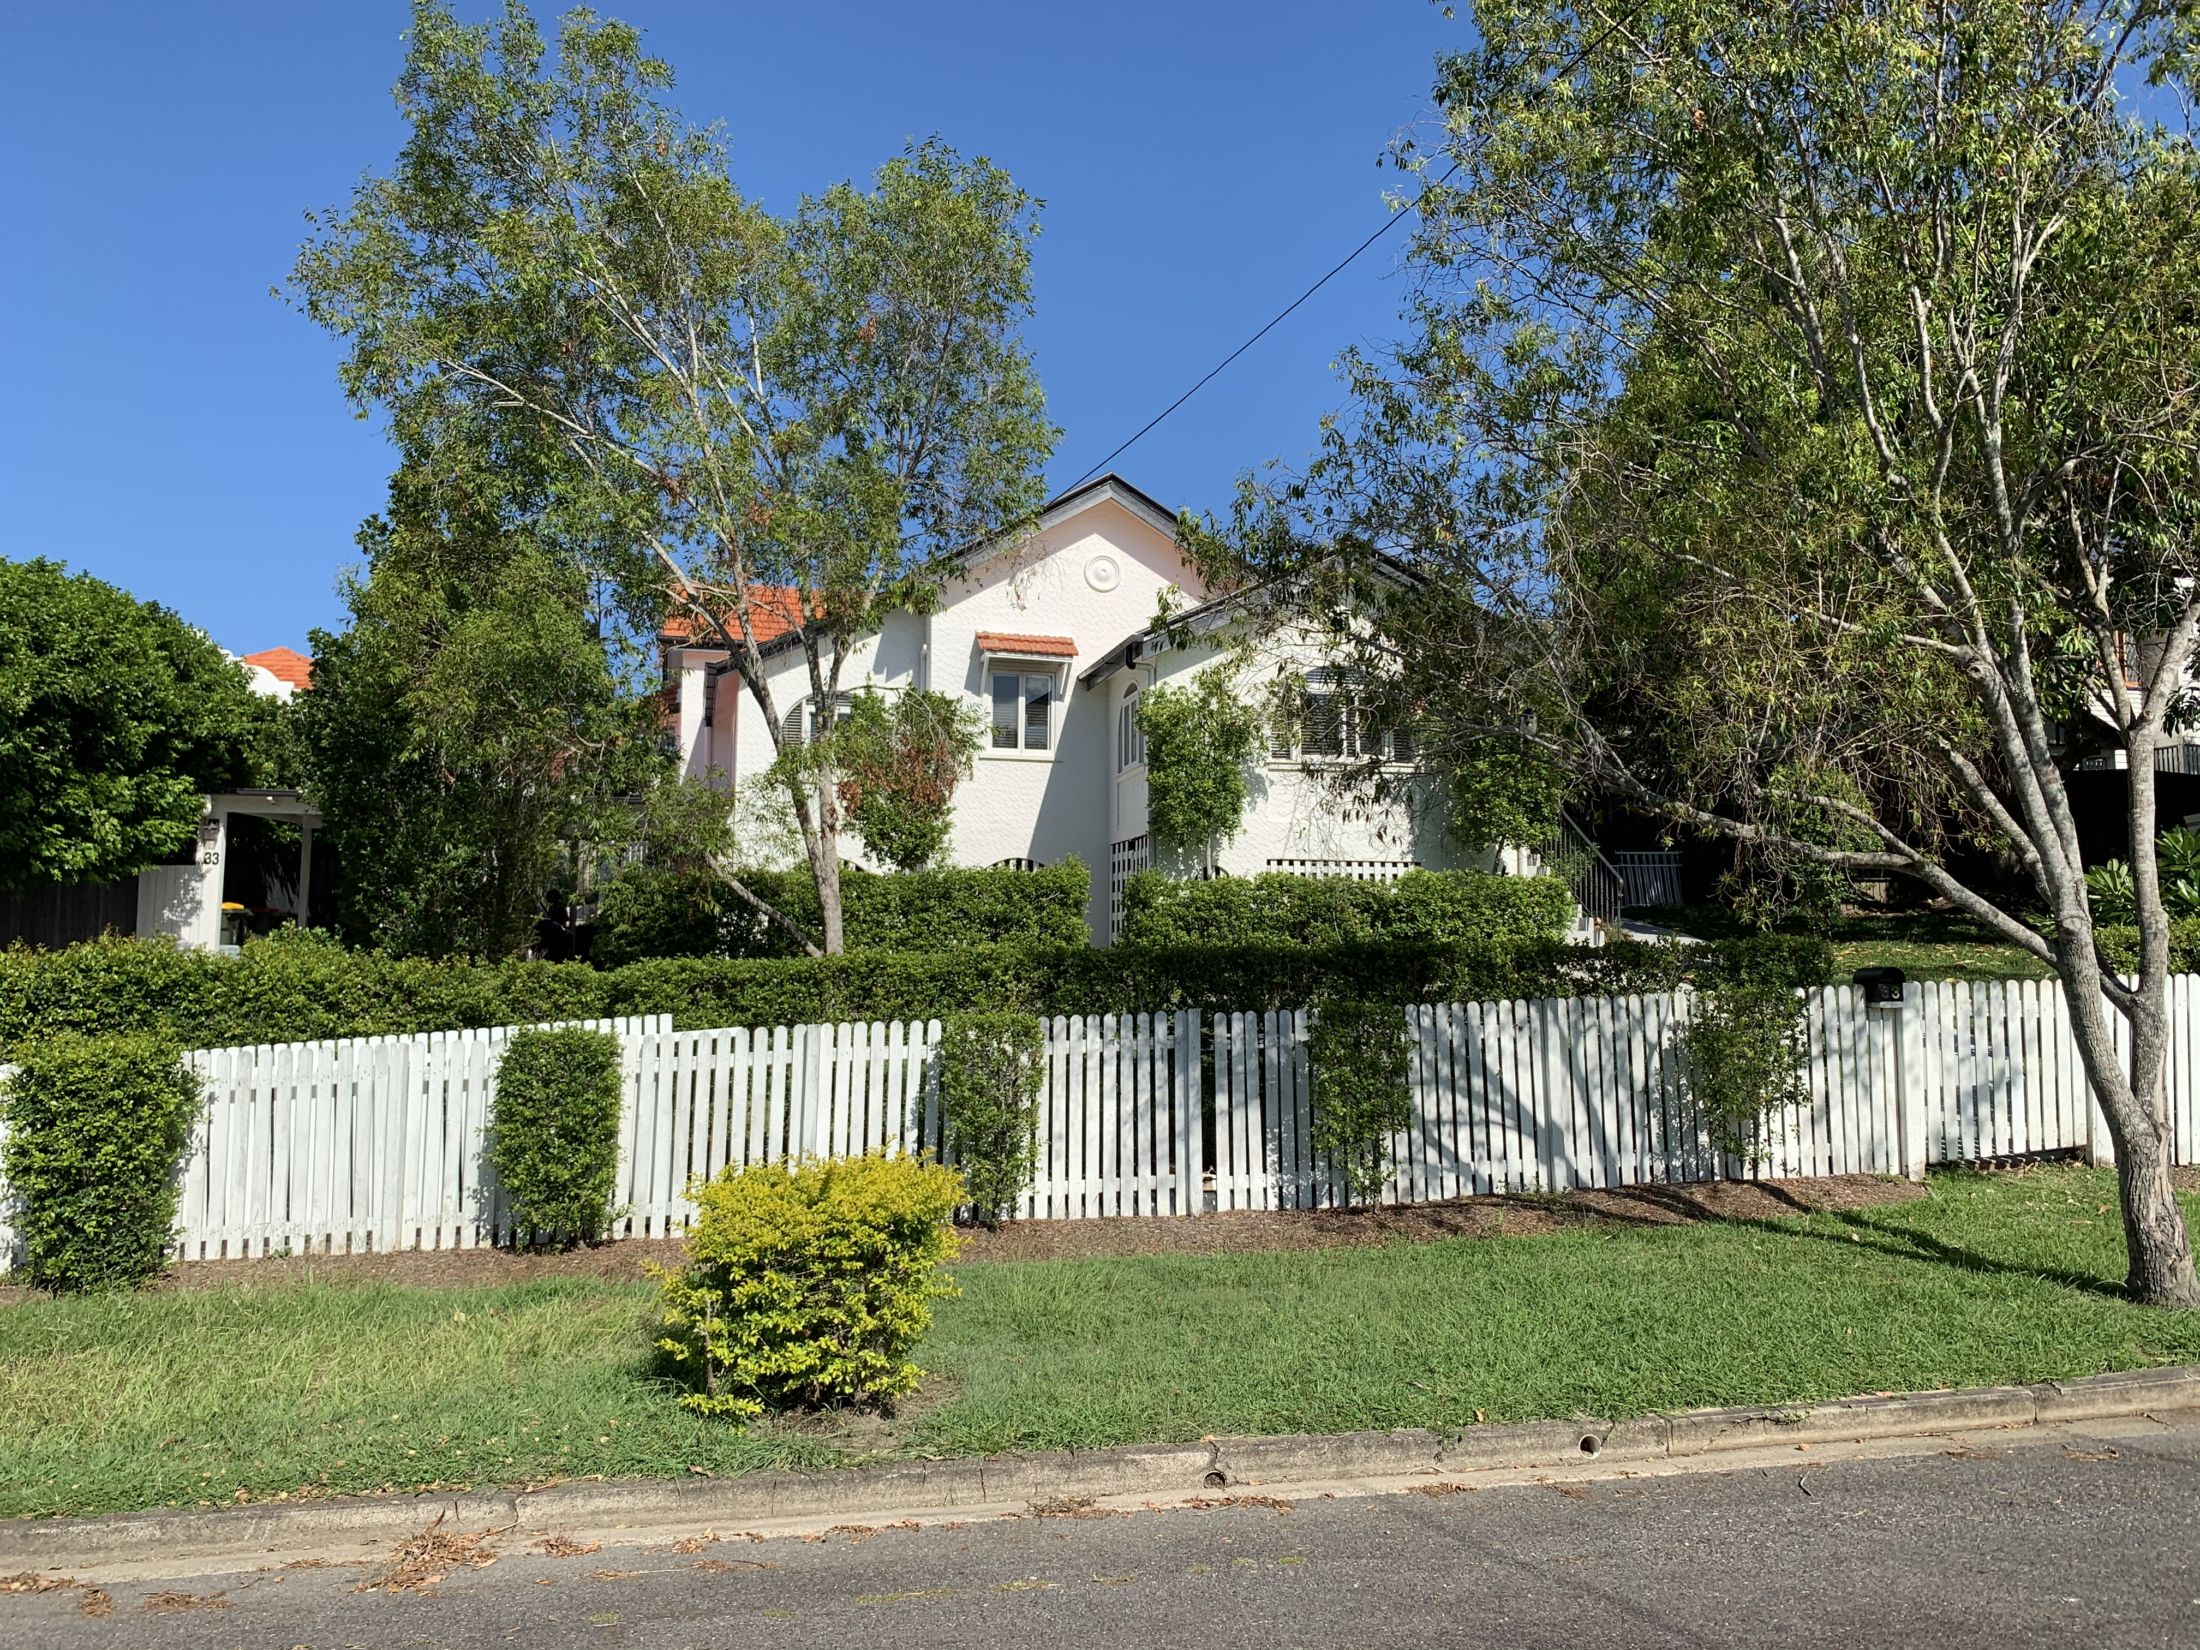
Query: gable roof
x: 776, y: 609
x: 1104, y: 489
x: 1216, y: 612
x: 286, y: 664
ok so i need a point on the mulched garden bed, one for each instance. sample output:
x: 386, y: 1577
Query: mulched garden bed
x: 1237, y: 1232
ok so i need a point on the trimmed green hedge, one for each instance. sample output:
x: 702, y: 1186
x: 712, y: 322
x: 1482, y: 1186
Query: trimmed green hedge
x: 294, y: 987
x: 96, y: 1131
x: 554, y: 1133
x: 1278, y: 908
x: 647, y: 912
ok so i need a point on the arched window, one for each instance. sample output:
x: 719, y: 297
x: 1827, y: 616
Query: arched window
x: 800, y: 725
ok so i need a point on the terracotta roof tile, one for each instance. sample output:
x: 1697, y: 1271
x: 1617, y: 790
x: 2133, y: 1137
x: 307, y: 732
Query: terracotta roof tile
x: 1044, y: 647
x: 285, y: 664
x: 774, y: 609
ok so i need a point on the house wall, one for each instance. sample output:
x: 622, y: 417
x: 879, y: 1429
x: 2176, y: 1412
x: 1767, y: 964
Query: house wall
x: 1295, y: 811
x: 1096, y: 576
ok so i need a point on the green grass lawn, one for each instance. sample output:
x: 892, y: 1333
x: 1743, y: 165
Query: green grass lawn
x: 258, y: 1391
x: 1926, y: 945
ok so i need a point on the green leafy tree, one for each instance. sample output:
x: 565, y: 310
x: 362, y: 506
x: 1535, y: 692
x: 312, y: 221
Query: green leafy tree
x: 669, y: 897
x: 1796, y: 428
x: 898, y: 761
x: 765, y: 416
x: 116, y: 718
x: 466, y: 732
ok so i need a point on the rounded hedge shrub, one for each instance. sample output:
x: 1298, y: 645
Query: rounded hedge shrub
x: 808, y: 1284
x: 992, y: 1066
x: 1745, y: 1053
x: 96, y: 1132
x: 554, y: 1132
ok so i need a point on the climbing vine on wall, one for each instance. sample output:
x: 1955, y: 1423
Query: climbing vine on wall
x: 1200, y: 739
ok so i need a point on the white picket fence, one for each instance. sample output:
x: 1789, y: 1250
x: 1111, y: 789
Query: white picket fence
x: 358, y: 1143
x: 1587, y: 1092
x: 1119, y: 1127
x: 378, y: 1143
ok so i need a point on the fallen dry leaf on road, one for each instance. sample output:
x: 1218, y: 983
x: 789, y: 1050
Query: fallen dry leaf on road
x: 30, y: 1581
x: 564, y: 1546
x: 161, y: 1604
x: 1071, y: 1506
x: 1202, y: 1503
x: 420, y: 1561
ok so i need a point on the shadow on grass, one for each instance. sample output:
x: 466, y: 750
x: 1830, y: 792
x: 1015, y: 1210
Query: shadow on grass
x: 1861, y: 1228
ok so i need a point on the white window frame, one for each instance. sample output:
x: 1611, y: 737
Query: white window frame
x: 1326, y: 685
x: 1027, y: 670
x: 1130, y: 739
x: 804, y: 731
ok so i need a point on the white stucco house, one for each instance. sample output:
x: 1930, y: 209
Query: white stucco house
x: 1052, y: 635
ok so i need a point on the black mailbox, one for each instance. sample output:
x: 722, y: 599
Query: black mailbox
x: 1882, y: 986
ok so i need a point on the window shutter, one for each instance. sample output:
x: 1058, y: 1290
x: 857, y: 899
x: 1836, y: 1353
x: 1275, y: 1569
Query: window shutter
x: 1038, y: 712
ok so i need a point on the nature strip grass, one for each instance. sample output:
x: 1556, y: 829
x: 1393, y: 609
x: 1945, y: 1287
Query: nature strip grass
x: 256, y: 1392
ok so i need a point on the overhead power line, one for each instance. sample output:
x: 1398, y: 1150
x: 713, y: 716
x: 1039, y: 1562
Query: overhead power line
x: 1273, y: 322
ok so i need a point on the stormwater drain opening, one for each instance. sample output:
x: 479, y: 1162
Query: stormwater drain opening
x: 1217, y: 1480
x: 1591, y: 1446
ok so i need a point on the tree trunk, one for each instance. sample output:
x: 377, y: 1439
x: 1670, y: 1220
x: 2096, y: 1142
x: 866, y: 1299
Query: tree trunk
x: 825, y: 865
x: 2157, y: 1244
x: 2155, y: 1234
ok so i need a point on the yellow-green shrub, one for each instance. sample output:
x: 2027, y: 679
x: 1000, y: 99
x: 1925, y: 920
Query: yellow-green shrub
x: 809, y: 1284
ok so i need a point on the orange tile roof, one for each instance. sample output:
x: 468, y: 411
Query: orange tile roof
x: 285, y: 664
x: 774, y: 609
x: 1045, y: 647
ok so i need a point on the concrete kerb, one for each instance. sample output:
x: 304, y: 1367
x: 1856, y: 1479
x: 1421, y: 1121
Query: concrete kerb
x: 1170, y: 1472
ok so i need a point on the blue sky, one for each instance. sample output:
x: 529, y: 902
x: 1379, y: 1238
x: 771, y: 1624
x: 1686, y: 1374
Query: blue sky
x: 172, y: 427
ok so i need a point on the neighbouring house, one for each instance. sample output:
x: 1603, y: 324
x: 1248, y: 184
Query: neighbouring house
x: 249, y: 868
x: 279, y: 672
x: 1052, y: 635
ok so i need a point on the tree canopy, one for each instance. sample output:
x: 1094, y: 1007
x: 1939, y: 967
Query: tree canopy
x: 467, y: 735
x: 756, y: 413
x: 1796, y: 437
x: 115, y: 718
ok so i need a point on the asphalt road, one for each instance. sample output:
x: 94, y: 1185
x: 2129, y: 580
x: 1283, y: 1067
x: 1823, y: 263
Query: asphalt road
x: 2062, y: 1542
